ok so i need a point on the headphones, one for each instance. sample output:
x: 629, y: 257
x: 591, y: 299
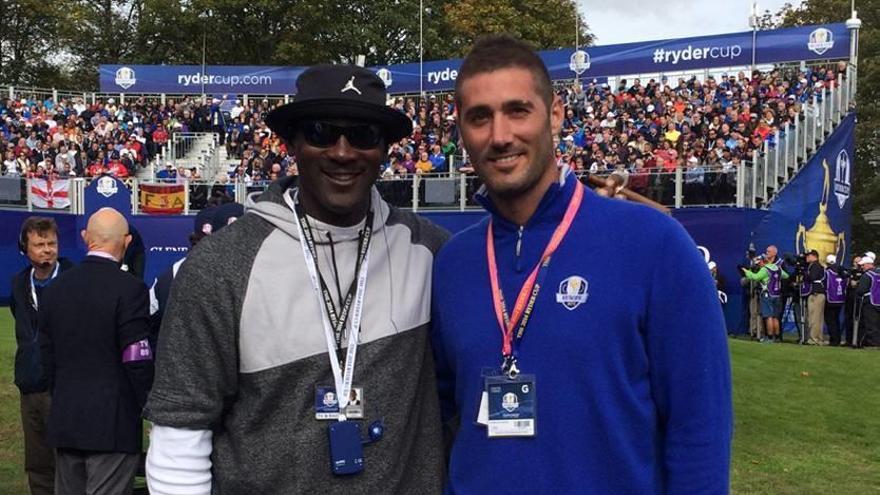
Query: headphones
x: 22, y: 242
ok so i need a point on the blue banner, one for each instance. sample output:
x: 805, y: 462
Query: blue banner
x: 190, y: 79
x: 820, y: 42
x: 814, y: 211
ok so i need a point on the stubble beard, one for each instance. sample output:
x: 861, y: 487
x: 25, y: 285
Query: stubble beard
x: 511, y: 186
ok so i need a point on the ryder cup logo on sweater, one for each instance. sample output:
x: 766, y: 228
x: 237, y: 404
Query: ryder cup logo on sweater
x: 842, y: 178
x: 572, y: 292
x: 821, y: 40
x: 125, y: 77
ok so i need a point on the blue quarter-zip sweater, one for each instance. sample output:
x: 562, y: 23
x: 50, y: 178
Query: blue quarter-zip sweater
x: 633, y: 385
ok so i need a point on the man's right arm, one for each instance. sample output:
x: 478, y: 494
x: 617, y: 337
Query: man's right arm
x: 179, y: 461
x: 196, y: 374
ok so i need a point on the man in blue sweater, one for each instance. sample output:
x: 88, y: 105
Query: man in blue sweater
x: 563, y: 371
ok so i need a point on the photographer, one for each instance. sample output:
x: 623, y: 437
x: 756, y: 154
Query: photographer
x: 835, y: 297
x: 770, y: 276
x: 791, y: 297
x: 867, y: 300
x: 813, y: 289
x: 849, y: 308
x: 751, y: 317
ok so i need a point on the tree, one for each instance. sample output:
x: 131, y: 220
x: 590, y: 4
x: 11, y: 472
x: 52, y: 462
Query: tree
x: 27, y: 42
x: 62, y: 43
x: 545, y: 24
x: 866, y: 184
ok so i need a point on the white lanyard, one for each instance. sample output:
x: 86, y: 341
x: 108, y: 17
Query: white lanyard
x: 34, y: 285
x: 343, y: 379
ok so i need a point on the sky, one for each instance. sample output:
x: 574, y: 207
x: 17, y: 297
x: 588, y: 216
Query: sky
x: 616, y: 21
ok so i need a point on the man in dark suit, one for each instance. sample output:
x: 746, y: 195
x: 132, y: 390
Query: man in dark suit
x: 94, y: 324
x: 39, y: 242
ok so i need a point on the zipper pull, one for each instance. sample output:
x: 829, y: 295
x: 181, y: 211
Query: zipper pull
x: 519, y: 234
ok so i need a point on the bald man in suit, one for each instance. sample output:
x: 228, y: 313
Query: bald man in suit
x: 94, y: 324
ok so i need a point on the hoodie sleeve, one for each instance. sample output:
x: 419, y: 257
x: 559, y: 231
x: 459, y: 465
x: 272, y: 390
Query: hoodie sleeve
x: 197, y: 355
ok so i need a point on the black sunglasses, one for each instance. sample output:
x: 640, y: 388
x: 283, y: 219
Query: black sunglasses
x: 324, y: 135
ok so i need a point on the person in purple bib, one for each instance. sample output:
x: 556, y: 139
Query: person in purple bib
x: 835, y: 297
x: 867, y: 327
x: 770, y: 276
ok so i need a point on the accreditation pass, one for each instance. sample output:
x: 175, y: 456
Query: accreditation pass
x: 511, y: 406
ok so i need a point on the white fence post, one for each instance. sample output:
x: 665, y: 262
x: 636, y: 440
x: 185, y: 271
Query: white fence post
x: 135, y: 195
x: 415, y: 195
x: 462, y: 191
x: 186, y: 196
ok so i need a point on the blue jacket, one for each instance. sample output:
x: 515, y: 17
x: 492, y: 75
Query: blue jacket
x: 29, y: 375
x: 633, y: 385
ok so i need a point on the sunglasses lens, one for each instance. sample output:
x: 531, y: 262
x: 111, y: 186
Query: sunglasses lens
x: 325, y: 135
x: 320, y: 134
x: 364, y: 136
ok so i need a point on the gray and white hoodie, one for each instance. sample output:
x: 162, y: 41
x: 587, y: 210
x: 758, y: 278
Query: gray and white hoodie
x: 242, y: 348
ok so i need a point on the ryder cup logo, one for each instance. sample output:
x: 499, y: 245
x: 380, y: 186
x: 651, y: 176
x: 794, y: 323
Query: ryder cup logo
x: 329, y: 399
x: 572, y: 292
x: 125, y: 77
x: 821, y: 40
x: 107, y: 186
x: 510, y: 402
x: 842, y: 178
x: 385, y: 75
x: 579, y: 62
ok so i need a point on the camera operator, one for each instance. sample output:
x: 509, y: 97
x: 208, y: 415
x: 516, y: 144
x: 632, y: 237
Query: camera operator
x: 849, y: 308
x: 791, y: 296
x: 770, y: 276
x: 813, y: 289
x: 835, y: 297
x: 867, y: 327
x: 750, y: 301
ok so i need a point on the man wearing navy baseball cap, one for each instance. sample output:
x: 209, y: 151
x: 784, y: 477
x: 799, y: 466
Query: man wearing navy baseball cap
x: 317, y: 295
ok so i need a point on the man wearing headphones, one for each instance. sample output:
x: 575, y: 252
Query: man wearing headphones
x: 39, y: 242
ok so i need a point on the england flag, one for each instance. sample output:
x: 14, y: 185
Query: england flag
x: 50, y: 193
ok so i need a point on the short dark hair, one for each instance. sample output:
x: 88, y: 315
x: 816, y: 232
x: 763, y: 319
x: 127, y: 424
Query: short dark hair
x: 40, y: 225
x: 503, y: 51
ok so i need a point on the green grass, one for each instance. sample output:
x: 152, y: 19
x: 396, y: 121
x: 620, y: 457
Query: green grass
x: 12, y: 478
x: 807, y: 419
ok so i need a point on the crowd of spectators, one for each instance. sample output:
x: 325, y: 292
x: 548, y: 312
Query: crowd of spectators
x: 646, y: 130
x: 44, y: 138
x: 641, y: 130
